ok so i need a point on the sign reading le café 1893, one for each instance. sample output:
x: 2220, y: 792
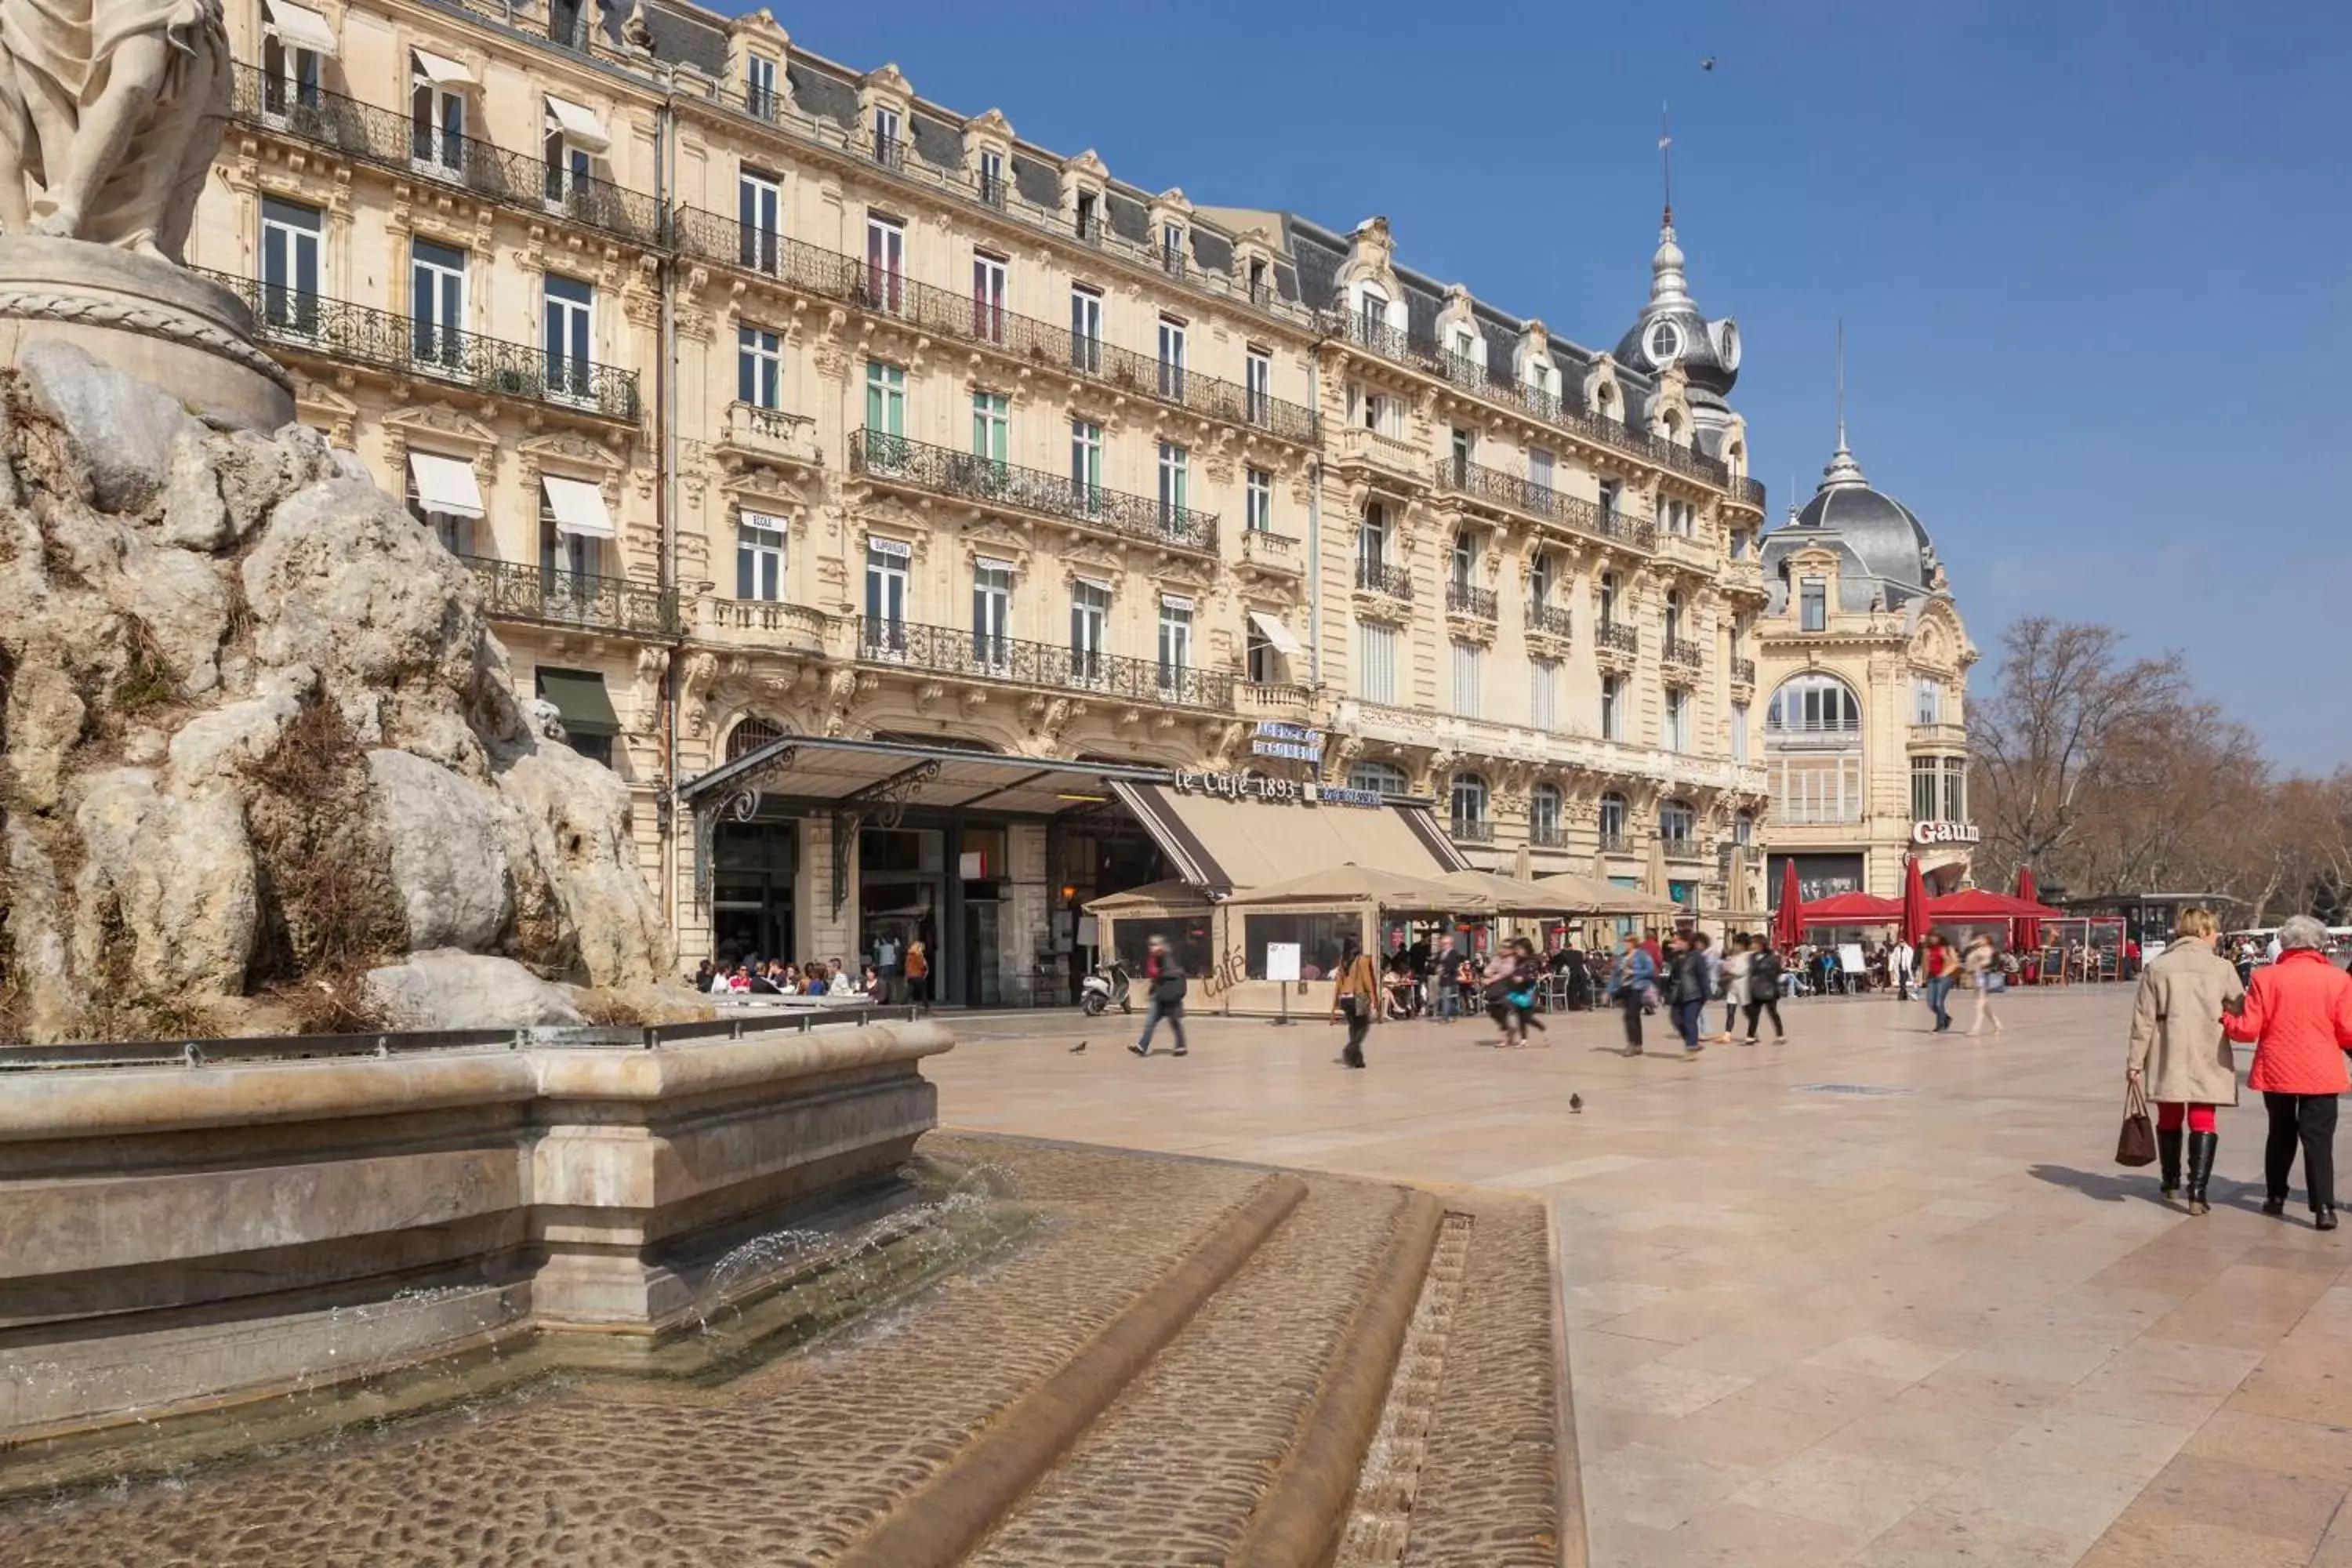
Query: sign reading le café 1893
x: 1240, y: 786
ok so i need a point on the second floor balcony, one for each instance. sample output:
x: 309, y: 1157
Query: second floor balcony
x: 1617, y: 843
x: 1551, y: 620
x: 897, y: 461
x: 310, y: 324
x: 516, y: 591
x: 1054, y: 667
x: 1472, y: 829
x: 1468, y: 600
x: 1375, y: 576
x: 1682, y: 653
x: 1617, y: 636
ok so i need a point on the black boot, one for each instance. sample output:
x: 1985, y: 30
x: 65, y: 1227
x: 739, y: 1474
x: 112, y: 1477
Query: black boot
x: 2201, y: 1148
x: 2168, y: 1157
x: 2324, y: 1218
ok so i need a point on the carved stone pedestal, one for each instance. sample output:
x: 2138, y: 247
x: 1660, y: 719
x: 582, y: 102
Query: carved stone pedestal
x: 167, y: 326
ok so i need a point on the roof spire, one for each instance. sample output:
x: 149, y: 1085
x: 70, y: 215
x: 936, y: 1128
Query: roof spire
x: 1842, y: 472
x: 1666, y: 167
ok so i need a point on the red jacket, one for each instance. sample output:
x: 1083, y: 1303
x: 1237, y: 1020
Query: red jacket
x: 2299, y: 1015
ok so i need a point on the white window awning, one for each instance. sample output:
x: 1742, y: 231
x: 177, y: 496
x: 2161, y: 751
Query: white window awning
x: 579, y: 124
x: 301, y: 26
x: 441, y: 70
x: 446, y: 484
x: 579, y: 507
x: 1274, y: 631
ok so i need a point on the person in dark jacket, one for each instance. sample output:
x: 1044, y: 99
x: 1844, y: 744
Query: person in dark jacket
x: 1631, y: 985
x: 1763, y: 984
x: 1686, y: 990
x: 1163, y: 984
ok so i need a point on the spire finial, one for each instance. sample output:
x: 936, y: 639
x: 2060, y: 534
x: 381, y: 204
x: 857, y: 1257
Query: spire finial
x: 1667, y: 164
x: 1840, y: 356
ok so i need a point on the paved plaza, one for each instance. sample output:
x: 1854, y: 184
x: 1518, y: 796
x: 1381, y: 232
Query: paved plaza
x: 1872, y: 1297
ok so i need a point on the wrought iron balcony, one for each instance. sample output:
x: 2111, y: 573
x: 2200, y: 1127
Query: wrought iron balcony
x: 1617, y: 636
x: 1616, y: 843
x: 1547, y: 836
x: 941, y: 470
x: 1748, y: 492
x: 1552, y: 620
x: 950, y: 650
x: 1640, y: 532
x: 513, y: 591
x: 1464, y: 599
x: 337, y: 329
x: 1743, y: 671
x: 393, y: 141
x: 1388, y: 343
x: 1471, y: 830
x: 1492, y: 487
x: 1681, y: 652
x: 1380, y: 577
x: 1682, y: 849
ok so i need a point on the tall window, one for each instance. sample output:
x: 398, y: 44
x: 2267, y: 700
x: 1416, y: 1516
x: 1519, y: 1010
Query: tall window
x: 1543, y: 815
x: 1175, y: 642
x: 436, y: 120
x: 1466, y: 673
x: 1466, y: 450
x: 1257, y: 385
x: 1813, y: 605
x: 1543, y: 579
x: 1740, y: 731
x: 758, y: 367
x: 1089, y: 215
x: 1813, y: 751
x: 1089, y: 627
x: 1607, y: 593
x: 1743, y: 830
x: 565, y: 558
x: 569, y: 306
x: 1175, y: 472
x: 436, y: 303
x: 1376, y: 661
x: 1673, y: 614
x: 1678, y: 706
x: 759, y: 556
x: 453, y: 530
x: 885, y: 415
x: 992, y: 613
x: 1259, y: 656
x: 1676, y: 824
x: 1371, y: 314
x: 1611, y: 492
x: 289, y: 75
x: 1257, y: 500
x: 569, y: 165
x: 1539, y: 475
x: 990, y: 292
x: 1955, y: 789
x: 885, y: 135
x: 1386, y: 777
x: 760, y: 86
x: 1465, y: 562
x: 1086, y: 331
x: 885, y: 593
x: 886, y: 263
x: 293, y: 258
x: 1927, y: 788
x: 1372, y: 411
x: 1543, y: 683
x: 1930, y: 709
x: 1373, y: 544
x: 1613, y: 817
x: 1469, y: 800
x: 991, y: 426
x: 1612, y: 707
x: 759, y: 222
x: 1172, y: 247
x: 991, y: 178
x: 1171, y: 357
x: 1086, y: 464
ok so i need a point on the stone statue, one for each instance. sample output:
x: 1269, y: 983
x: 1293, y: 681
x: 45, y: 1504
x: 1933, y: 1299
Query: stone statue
x: 109, y: 114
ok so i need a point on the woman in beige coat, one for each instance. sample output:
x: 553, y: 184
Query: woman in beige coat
x: 2179, y: 1056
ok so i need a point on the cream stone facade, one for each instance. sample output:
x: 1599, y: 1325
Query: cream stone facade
x: 768, y: 398
x: 1863, y: 662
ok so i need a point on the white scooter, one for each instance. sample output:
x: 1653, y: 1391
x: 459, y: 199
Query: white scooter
x: 1105, y: 988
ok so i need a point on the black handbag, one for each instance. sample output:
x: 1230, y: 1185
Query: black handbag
x: 2135, y: 1144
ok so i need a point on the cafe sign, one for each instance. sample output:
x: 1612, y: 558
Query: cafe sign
x: 1295, y: 741
x: 1259, y: 786
x: 1926, y: 833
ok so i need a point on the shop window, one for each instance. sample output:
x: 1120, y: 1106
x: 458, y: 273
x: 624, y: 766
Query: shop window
x: 1319, y: 938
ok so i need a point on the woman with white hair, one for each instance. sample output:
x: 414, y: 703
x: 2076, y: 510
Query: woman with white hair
x: 2298, y: 1013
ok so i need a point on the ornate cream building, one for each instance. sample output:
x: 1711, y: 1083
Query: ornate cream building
x: 807, y: 436
x: 1864, y: 666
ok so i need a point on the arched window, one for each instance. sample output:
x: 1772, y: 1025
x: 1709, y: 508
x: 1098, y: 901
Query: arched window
x: 1677, y: 822
x: 1543, y: 817
x: 1386, y: 777
x: 1469, y: 803
x: 1612, y: 821
x: 1812, y: 750
x: 750, y: 735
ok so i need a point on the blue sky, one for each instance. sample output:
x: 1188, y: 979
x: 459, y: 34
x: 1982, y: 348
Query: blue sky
x: 2090, y: 256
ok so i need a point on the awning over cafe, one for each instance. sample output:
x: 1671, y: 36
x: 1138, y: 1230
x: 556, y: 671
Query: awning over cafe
x: 1222, y: 842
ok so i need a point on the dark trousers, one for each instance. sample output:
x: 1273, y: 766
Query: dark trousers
x: 1629, y: 1001
x: 2308, y: 1120
x: 1171, y: 1011
x: 1688, y: 1015
x: 1758, y: 1009
x: 1360, y: 1024
x: 1730, y: 1013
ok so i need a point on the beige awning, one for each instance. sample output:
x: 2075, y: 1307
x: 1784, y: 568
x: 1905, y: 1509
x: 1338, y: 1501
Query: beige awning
x: 446, y: 484
x: 579, y: 507
x: 302, y: 28
x: 1512, y: 896
x: 579, y: 124
x: 1602, y: 896
x: 1152, y: 899
x: 1219, y: 842
x: 1351, y: 883
x: 1270, y: 626
x: 441, y: 70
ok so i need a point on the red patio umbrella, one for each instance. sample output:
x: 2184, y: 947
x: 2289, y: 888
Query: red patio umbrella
x: 1981, y: 905
x: 2025, y: 932
x: 1852, y: 909
x: 1788, y: 915
x: 1914, y: 901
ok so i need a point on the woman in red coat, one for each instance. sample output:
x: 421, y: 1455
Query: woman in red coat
x: 2298, y: 1013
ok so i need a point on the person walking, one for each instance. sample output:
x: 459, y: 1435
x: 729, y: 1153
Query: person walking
x: 1163, y: 979
x: 2298, y: 1017
x: 1687, y: 989
x: 1494, y: 990
x: 1448, y: 980
x: 1983, y: 969
x: 2179, y: 1055
x: 1736, y: 964
x: 1525, y: 979
x: 1936, y: 962
x: 1634, y: 988
x: 1355, y: 998
x: 919, y: 980
x: 1764, y: 990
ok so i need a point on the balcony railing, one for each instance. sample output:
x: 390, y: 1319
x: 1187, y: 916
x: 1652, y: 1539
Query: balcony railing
x: 949, y: 650
x: 1463, y: 599
x: 1683, y: 652
x: 1616, y: 843
x: 360, y: 334
x: 1380, y: 577
x: 1277, y: 552
x: 1550, y: 619
x: 942, y: 471
x: 513, y: 591
x: 1472, y: 831
x: 393, y: 141
x: 1618, y: 636
x: 1681, y: 849
x: 1495, y: 487
x: 1388, y: 343
x: 1547, y: 836
x: 1748, y: 492
x: 1743, y: 671
x: 773, y: 433
x: 772, y: 622
x: 1275, y: 699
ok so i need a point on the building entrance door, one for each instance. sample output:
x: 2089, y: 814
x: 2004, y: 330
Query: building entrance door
x: 752, y: 892
x: 982, y: 956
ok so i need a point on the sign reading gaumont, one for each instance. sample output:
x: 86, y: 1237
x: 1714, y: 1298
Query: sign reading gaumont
x: 1945, y: 833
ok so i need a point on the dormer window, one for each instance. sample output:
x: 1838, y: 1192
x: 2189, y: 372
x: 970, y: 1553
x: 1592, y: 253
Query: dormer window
x: 1371, y: 314
x: 1813, y: 605
x: 1666, y: 344
x: 1089, y: 215
x: 888, y: 151
x: 296, y: 42
x: 1261, y: 285
x: 991, y: 176
x: 1171, y: 249
x: 760, y: 86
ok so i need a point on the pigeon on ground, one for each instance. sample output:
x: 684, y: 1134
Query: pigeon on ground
x: 1576, y: 1105
x: 1077, y: 1048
